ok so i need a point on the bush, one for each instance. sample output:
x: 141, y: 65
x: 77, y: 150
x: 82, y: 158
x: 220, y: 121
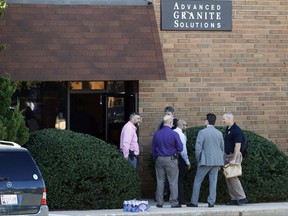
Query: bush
x: 81, y: 171
x: 12, y: 123
x: 265, y: 171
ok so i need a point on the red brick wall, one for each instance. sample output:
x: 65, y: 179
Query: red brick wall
x: 243, y: 71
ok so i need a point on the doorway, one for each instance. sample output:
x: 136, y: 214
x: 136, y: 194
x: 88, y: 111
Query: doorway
x: 86, y: 114
x: 103, y: 113
x: 99, y: 108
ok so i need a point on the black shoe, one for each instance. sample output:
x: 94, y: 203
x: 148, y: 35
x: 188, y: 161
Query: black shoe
x: 176, y: 206
x: 191, y: 205
x: 210, y: 205
x: 159, y: 206
x: 233, y: 202
x: 243, y: 201
x: 183, y: 202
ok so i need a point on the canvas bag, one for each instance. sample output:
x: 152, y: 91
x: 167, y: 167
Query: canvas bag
x: 232, y: 170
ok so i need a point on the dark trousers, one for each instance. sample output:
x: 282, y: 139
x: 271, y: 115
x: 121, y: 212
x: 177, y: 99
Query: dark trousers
x: 181, y: 166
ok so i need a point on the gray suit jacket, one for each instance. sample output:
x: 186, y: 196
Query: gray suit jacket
x: 209, y: 147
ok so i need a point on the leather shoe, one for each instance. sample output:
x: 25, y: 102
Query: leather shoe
x: 183, y: 202
x: 176, y: 206
x: 210, y: 205
x: 159, y: 206
x: 233, y: 202
x: 243, y: 201
x: 191, y: 205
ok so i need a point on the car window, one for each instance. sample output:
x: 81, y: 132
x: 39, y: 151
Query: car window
x: 18, y: 166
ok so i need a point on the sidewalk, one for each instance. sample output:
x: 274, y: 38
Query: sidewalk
x: 257, y: 209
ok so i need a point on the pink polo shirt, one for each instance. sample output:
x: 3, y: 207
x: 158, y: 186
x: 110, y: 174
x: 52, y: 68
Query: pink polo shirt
x: 129, y: 139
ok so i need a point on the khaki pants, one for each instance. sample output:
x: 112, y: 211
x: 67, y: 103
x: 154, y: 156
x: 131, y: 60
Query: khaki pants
x: 234, y: 185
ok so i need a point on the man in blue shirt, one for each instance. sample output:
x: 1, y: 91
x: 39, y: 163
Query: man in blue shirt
x: 232, y: 140
x: 166, y: 146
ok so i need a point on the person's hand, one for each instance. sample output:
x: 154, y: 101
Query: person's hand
x: 232, y: 162
x: 189, y: 166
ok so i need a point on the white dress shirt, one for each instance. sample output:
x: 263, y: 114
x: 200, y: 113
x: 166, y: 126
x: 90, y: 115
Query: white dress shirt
x: 183, y: 139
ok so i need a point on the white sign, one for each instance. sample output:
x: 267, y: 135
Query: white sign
x: 9, y: 199
x: 196, y: 15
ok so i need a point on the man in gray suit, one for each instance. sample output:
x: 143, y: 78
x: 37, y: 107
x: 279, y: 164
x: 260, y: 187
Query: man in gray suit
x: 209, y: 153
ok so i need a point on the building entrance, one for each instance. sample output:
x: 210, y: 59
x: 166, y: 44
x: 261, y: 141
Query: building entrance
x: 96, y: 108
x: 100, y: 114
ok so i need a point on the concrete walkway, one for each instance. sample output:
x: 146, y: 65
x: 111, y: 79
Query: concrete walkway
x: 257, y: 209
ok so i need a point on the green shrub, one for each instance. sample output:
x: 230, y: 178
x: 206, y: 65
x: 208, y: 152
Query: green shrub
x: 265, y: 171
x: 12, y: 123
x: 81, y: 171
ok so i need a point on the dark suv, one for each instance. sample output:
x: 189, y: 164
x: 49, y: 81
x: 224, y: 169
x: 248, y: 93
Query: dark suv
x: 22, y: 188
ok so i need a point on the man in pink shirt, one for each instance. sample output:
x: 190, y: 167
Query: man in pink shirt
x: 129, y: 140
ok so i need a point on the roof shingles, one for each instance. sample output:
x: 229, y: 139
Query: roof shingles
x: 56, y: 42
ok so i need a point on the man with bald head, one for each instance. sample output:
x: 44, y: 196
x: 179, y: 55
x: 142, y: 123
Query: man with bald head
x: 183, y: 160
x: 166, y: 146
x: 233, y: 138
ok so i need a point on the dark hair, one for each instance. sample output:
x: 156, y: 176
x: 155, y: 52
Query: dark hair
x: 134, y: 114
x: 211, y: 118
x: 169, y: 109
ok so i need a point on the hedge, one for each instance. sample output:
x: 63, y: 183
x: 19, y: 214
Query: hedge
x: 81, y: 171
x: 265, y: 171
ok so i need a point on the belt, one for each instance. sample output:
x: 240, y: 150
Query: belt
x: 173, y: 156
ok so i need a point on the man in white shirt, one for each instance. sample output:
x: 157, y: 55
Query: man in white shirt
x: 183, y: 160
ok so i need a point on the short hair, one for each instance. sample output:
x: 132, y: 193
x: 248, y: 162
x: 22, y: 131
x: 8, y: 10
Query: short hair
x: 134, y: 114
x: 180, y: 122
x: 211, y: 118
x: 167, y: 119
x: 229, y: 115
x: 169, y: 109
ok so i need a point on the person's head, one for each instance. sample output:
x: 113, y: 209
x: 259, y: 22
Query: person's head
x: 228, y: 119
x: 135, y: 118
x: 168, y: 121
x: 169, y: 111
x: 210, y: 119
x: 182, y: 125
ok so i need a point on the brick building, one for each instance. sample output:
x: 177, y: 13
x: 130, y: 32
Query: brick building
x: 122, y: 48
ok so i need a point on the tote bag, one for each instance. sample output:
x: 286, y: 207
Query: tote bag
x: 232, y: 170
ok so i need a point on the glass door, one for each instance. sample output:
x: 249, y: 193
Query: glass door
x: 102, y: 111
x: 87, y: 114
x: 119, y: 108
x: 115, y: 118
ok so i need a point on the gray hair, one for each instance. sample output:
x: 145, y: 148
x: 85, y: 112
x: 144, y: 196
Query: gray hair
x: 167, y: 119
x: 229, y: 115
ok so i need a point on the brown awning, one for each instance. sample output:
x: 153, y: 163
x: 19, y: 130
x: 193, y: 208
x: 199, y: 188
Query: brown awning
x: 74, y: 42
